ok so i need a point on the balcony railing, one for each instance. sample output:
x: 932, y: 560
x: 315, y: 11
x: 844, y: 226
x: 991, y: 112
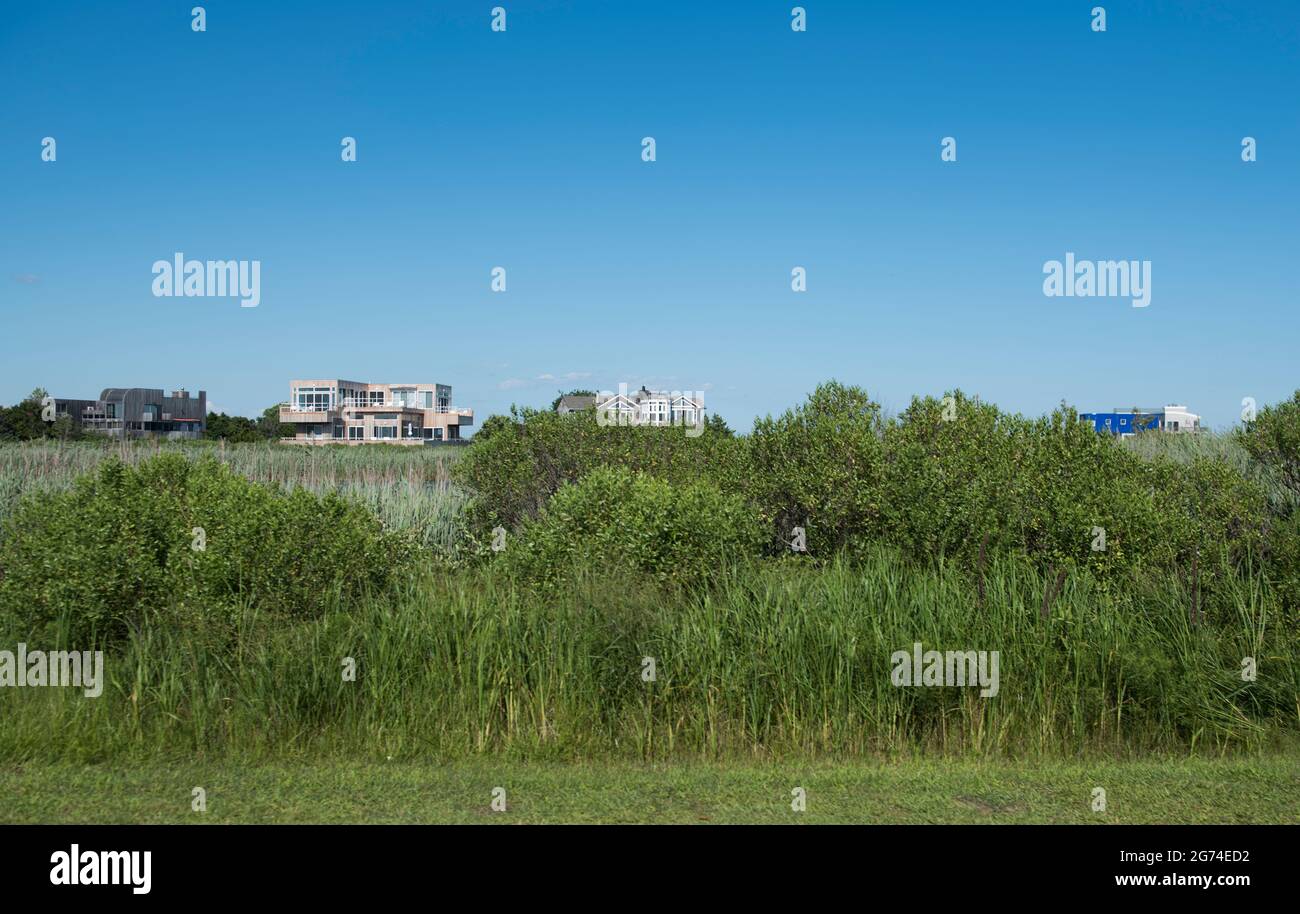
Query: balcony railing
x: 356, y: 402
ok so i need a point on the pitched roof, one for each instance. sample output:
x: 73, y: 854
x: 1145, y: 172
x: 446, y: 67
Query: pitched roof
x: 576, y: 402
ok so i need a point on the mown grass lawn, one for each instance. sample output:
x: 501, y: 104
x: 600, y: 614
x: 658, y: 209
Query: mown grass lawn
x: 1238, y: 790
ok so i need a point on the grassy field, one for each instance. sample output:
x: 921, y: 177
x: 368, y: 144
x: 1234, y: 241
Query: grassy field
x: 1156, y: 790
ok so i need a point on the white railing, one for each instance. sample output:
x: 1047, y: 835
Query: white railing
x: 397, y: 404
x: 354, y: 402
x: 384, y: 404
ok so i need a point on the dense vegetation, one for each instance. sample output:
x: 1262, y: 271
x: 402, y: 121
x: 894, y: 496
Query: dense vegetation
x: 948, y: 480
x: 1125, y: 585
x: 25, y: 421
x: 242, y: 430
x: 175, y: 542
x: 407, y: 488
x: 774, y: 660
x: 624, y: 522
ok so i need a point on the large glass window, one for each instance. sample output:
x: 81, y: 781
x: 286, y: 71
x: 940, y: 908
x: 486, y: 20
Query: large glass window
x: 313, y: 399
x: 657, y: 411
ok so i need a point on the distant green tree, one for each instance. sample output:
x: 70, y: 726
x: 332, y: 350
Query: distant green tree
x: 65, y: 428
x: 555, y: 404
x: 270, y: 426
x: 235, y: 429
x: 716, y: 425
x: 23, y: 422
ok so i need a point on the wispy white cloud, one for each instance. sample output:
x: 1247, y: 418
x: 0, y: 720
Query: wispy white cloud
x: 544, y: 378
x: 567, y: 376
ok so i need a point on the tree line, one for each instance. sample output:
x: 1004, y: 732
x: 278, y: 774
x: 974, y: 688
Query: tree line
x: 25, y: 421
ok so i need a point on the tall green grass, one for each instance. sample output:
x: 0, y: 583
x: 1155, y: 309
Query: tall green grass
x: 409, y: 488
x: 781, y: 659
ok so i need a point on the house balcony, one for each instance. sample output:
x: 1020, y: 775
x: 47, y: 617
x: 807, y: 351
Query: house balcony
x: 292, y: 415
x: 398, y: 405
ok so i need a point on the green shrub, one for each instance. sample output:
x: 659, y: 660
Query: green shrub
x: 516, y: 463
x: 119, y: 548
x: 617, y: 520
x: 949, y: 477
x: 1274, y: 440
x: 960, y: 475
x: 818, y: 467
x: 1282, y: 568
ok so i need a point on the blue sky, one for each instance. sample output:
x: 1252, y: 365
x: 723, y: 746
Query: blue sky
x: 775, y: 149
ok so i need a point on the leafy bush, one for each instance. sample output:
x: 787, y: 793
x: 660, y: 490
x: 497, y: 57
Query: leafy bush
x: 949, y: 478
x: 949, y: 475
x: 818, y: 467
x: 1054, y: 490
x: 120, y: 547
x: 616, y: 520
x: 517, y: 463
x: 1283, y: 567
x: 1274, y: 439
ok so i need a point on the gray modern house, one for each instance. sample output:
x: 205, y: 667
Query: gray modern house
x: 139, y: 412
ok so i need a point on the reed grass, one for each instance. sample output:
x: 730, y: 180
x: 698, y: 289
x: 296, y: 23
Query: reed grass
x: 409, y: 488
x: 775, y: 660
